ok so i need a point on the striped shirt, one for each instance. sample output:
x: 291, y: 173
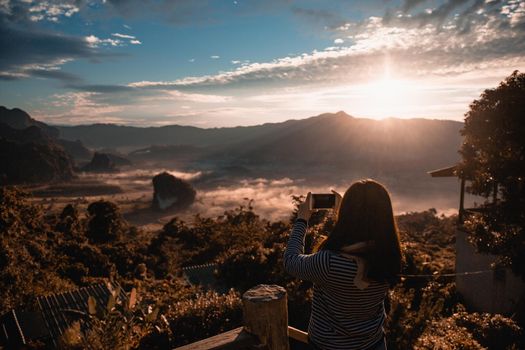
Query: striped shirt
x: 343, y: 316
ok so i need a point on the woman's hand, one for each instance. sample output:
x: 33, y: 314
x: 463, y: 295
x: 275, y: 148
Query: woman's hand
x: 303, y: 210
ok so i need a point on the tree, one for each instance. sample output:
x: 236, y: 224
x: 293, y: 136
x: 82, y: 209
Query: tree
x: 494, y: 161
x: 105, y: 222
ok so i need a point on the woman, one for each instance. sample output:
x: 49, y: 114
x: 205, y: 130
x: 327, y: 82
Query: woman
x: 352, y: 269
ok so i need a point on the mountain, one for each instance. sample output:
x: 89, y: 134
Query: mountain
x: 330, y: 146
x: 76, y: 150
x: 339, y: 139
x: 18, y: 119
x: 330, y: 143
x: 129, y: 137
x: 336, y: 146
x: 30, y: 155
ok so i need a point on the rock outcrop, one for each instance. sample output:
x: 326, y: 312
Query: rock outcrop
x: 171, y: 192
x: 100, y: 163
x: 76, y: 150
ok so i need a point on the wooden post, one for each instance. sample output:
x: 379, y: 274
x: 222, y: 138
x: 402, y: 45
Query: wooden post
x: 266, y: 315
x: 461, y: 201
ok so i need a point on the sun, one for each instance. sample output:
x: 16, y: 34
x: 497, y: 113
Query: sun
x: 388, y: 97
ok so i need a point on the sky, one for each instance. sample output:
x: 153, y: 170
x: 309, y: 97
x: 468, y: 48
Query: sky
x: 214, y: 63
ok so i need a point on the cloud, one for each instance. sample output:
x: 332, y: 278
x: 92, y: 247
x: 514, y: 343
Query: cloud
x: 44, y: 10
x: 125, y: 105
x: 95, y: 41
x: 330, y: 18
x: 416, y: 46
x: 123, y: 36
x: 138, y: 95
x: 410, y: 4
x: 101, y: 88
x: 201, y: 98
x: 132, y: 39
x: 22, y: 50
x: 28, y: 49
x: 453, y: 38
x: 463, y: 15
x: 215, y: 57
x: 54, y: 74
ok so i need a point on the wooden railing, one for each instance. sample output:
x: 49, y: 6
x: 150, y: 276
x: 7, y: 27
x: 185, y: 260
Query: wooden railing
x: 265, y: 313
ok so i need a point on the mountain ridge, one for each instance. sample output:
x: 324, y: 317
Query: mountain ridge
x: 133, y: 138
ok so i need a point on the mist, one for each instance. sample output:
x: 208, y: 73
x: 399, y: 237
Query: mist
x: 270, y: 198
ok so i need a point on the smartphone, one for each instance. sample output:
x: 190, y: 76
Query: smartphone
x: 322, y: 201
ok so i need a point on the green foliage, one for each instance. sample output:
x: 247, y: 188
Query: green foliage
x: 492, y: 331
x: 472, y: 331
x: 28, y: 263
x: 105, y: 222
x: 205, y: 315
x: 42, y: 254
x: 69, y: 222
x: 427, y: 242
x: 206, y: 239
x: 120, y: 324
x: 445, y: 334
x: 412, y: 308
x: 494, y: 160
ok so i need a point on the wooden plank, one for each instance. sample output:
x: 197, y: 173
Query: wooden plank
x: 235, y: 339
x: 444, y: 172
x: 298, y: 335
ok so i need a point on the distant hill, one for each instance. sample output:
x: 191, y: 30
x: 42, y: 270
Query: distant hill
x: 338, y: 139
x: 327, y: 143
x: 129, y: 137
x: 30, y: 155
x: 18, y: 119
x: 330, y: 146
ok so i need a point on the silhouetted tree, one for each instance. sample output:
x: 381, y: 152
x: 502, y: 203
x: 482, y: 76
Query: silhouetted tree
x: 105, y: 223
x: 494, y: 160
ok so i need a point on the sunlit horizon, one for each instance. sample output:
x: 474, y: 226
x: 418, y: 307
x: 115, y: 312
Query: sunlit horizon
x: 221, y: 65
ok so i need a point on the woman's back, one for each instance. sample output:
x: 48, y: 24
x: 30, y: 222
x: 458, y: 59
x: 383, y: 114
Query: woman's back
x: 345, y: 314
x: 360, y: 252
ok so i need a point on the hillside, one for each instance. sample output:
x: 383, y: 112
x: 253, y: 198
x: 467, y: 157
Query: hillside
x: 331, y: 147
x: 29, y: 155
x: 19, y: 119
x: 320, y: 130
x: 320, y: 145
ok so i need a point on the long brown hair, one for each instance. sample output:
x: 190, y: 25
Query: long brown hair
x: 366, y: 215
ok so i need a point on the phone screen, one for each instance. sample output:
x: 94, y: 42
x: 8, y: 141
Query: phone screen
x: 323, y: 201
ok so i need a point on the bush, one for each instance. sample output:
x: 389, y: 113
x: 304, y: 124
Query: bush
x: 412, y: 309
x: 105, y: 222
x: 445, y: 334
x: 492, y: 331
x: 471, y: 331
x: 205, y: 315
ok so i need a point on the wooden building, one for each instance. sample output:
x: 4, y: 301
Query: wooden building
x: 483, y: 288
